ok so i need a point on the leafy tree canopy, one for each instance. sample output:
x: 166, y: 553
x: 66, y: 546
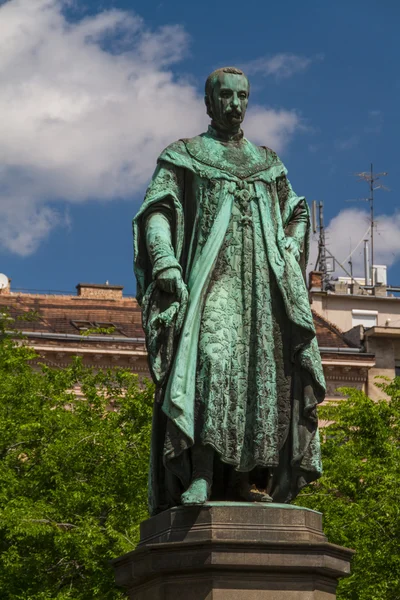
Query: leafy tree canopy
x: 73, y: 474
x: 359, y: 493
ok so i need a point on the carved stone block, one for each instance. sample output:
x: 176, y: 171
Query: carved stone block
x: 233, y: 551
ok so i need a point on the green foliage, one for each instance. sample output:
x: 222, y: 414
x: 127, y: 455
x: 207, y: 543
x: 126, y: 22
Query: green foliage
x: 73, y: 474
x: 98, y: 331
x: 359, y: 493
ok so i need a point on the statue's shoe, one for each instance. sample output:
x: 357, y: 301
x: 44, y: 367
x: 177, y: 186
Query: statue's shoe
x: 197, y: 493
x: 253, y: 494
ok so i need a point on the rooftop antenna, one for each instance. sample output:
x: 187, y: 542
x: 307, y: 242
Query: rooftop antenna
x: 318, y: 225
x: 350, y: 259
x: 371, y: 178
x: 367, y: 269
x: 350, y: 263
x: 323, y: 252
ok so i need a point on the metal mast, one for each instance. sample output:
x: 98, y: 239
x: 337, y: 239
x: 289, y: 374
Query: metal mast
x: 371, y: 179
x: 322, y: 246
x: 323, y: 252
x: 321, y: 263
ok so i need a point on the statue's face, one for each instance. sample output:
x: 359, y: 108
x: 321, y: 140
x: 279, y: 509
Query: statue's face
x: 228, y: 103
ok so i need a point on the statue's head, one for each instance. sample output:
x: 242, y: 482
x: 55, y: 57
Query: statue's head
x: 226, y: 97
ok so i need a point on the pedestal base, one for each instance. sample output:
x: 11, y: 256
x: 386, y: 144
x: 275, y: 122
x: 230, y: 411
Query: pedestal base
x: 233, y: 551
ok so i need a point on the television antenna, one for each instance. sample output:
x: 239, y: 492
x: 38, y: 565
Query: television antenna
x: 326, y: 262
x: 323, y: 264
x: 371, y: 178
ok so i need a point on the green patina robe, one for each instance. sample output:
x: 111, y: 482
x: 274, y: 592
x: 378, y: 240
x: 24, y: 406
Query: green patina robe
x: 244, y: 374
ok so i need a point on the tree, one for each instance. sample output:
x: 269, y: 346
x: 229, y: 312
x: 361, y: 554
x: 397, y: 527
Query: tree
x: 359, y: 493
x: 73, y: 474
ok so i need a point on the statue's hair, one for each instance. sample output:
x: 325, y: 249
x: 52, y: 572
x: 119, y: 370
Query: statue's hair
x: 212, y: 79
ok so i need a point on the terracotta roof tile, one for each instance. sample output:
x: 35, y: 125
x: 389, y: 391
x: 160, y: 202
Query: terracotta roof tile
x: 328, y: 335
x: 56, y: 313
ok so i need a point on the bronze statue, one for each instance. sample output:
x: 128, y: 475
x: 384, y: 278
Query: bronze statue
x: 221, y: 245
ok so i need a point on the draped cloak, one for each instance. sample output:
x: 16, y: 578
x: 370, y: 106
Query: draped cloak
x: 206, y: 191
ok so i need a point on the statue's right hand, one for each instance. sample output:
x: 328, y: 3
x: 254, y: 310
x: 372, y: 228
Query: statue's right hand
x: 170, y: 280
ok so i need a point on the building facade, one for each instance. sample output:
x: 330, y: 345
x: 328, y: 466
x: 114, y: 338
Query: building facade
x: 368, y: 317
x: 104, y: 328
x: 98, y: 324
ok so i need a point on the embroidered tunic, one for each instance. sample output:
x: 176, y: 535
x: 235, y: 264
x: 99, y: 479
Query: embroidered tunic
x: 243, y: 376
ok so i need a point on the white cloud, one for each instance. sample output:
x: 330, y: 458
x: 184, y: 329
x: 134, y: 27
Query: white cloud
x: 350, y: 227
x: 86, y: 107
x: 271, y: 128
x: 281, y: 65
x: 24, y: 224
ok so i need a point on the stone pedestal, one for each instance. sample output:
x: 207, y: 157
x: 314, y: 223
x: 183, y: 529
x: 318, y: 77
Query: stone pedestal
x: 233, y: 551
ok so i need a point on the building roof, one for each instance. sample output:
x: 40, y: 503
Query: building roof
x: 328, y: 335
x: 73, y: 314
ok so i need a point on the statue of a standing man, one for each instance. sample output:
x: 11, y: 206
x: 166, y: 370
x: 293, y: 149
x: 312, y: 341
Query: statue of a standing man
x: 221, y: 245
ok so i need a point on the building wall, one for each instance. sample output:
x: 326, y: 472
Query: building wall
x: 337, y: 377
x: 384, y: 350
x: 396, y: 350
x: 337, y: 308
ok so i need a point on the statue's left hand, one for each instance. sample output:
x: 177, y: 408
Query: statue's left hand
x: 293, y: 247
x: 170, y: 280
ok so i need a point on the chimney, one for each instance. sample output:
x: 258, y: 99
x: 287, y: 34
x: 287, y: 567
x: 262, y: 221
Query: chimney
x: 315, y: 281
x: 100, y: 291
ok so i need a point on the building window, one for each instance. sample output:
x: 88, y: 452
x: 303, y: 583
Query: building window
x: 367, y: 318
x: 82, y: 326
x: 397, y: 368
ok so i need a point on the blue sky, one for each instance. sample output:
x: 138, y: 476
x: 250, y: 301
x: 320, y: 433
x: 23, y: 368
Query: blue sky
x: 93, y: 91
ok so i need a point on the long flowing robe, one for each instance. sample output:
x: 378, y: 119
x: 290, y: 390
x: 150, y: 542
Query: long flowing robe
x: 244, y: 373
